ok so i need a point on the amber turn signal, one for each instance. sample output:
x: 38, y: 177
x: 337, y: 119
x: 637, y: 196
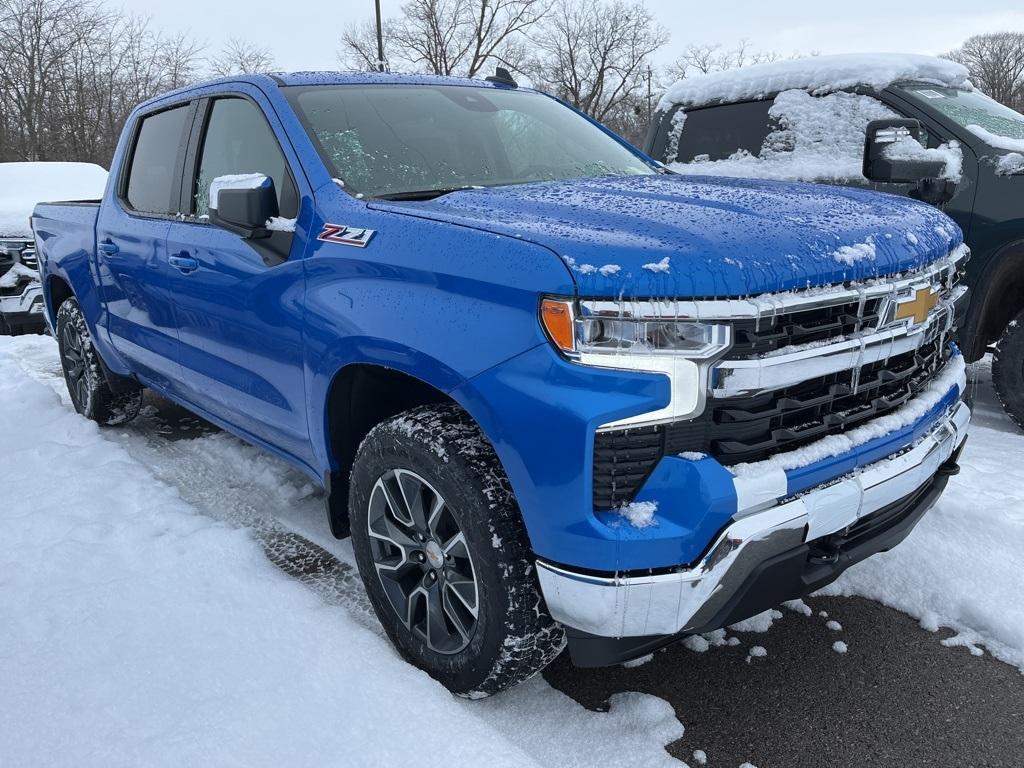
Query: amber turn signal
x: 556, y: 316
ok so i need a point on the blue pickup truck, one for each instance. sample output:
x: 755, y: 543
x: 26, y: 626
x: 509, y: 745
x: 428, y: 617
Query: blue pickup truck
x: 554, y: 392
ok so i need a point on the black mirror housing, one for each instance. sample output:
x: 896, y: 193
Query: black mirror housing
x: 882, y: 134
x: 246, y: 211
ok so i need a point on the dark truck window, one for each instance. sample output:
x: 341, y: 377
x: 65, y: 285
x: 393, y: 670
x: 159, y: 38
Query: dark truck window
x: 718, y: 132
x: 239, y: 140
x: 151, y: 176
x: 392, y: 139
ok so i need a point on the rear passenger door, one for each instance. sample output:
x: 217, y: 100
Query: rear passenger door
x: 238, y: 302
x: 134, y: 274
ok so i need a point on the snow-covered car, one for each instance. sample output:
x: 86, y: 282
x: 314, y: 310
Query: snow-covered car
x: 22, y: 185
x: 852, y: 120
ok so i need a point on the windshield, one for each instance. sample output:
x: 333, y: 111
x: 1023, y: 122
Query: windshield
x: 393, y: 140
x: 970, y: 108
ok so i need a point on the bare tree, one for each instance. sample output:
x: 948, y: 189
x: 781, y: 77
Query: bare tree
x: 594, y: 55
x: 702, y: 58
x: 37, y: 37
x: 239, y: 57
x: 70, y: 73
x: 460, y: 37
x: 996, y: 64
x: 359, y: 46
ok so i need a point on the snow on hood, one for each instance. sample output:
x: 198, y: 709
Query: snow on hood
x: 817, y: 74
x: 694, y: 237
x: 22, y: 185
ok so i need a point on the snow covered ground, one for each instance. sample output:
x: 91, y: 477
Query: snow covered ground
x: 145, y: 622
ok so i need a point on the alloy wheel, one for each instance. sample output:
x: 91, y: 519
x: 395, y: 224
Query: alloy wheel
x: 74, y: 363
x: 422, y: 561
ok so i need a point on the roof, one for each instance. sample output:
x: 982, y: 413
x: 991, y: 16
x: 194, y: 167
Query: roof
x: 370, y: 78
x: 817, y: 74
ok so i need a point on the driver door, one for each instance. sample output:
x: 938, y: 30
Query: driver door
x: 238, y: 302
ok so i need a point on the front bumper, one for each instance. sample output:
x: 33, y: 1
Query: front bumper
x: 24, y: 308
x: 690, y: 599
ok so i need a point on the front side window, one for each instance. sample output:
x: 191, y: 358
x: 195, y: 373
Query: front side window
x: 152, y: 175
x: 391, y: 140
x: 239, y: 140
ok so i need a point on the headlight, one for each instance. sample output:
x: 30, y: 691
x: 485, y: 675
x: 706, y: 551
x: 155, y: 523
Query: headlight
x: 607, y: 328
x: 611, y: 335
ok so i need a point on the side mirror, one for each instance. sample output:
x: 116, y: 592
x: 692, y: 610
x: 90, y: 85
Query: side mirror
x: 243, y: 203
x: 892, y: 153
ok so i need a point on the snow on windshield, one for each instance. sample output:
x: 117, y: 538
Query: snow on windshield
x: 22, y: 185
x: 816, y: 138
x: 817, y: 74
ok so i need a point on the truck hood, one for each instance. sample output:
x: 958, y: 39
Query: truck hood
x: 694, y: 237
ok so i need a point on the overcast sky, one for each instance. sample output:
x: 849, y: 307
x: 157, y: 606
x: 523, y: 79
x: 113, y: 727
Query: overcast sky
x: 303, y: 34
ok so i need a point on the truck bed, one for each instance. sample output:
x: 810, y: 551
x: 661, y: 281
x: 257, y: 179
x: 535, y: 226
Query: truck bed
x: 65, y: 235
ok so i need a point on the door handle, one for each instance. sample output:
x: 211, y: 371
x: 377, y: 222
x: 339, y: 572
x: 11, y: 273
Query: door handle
x: 109, y: 247
x: 183, y: 264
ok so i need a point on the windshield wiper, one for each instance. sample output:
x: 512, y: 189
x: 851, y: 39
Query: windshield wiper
x: 423, y: 194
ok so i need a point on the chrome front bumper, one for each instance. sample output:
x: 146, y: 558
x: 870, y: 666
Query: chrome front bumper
x: 670, y: 603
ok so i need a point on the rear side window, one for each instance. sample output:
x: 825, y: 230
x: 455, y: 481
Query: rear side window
x: 715, y: 133
x: 239, y: 140
x: 152, y: 177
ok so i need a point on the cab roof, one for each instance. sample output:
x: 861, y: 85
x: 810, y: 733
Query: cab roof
x: 817, y: 74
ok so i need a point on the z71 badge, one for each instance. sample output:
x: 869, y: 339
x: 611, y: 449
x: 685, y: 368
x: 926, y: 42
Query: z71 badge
x: 339, y: 233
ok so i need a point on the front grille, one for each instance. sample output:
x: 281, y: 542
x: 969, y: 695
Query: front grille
x: 747, y: 429
x: 764, y: 335
x: 28, y: 258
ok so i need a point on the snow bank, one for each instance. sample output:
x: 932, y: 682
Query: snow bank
x: 818, y: 74
x: 137, y: 631
x: 22, y: 185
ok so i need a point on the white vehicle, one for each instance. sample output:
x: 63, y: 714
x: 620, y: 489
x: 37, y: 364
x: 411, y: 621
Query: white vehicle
x: 22, y: 185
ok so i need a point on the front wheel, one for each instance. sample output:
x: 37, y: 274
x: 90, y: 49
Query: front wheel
x: 443, y: 554
x: 1008, y: 370
x: 87, y: 382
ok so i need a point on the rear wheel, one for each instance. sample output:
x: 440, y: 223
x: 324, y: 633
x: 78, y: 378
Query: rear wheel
x: 1008, y: 370
x: 87, y: 382
x: 443, y: 554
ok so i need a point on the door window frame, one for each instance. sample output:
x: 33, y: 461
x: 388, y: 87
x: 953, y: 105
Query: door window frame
x: 193, y: 154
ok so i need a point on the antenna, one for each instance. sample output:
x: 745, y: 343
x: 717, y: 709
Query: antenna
x: 502, y: 76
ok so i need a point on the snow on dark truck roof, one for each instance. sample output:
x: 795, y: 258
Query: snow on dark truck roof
x: 816, y: 74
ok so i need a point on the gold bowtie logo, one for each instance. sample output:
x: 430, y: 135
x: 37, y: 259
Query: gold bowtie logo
x: 919, y: 306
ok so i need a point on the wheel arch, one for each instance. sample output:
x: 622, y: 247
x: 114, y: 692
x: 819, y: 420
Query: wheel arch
x: 997, y: 297
x: 361, y: 395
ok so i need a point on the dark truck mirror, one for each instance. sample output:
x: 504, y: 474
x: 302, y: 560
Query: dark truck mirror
x: 888, y: 159
x: 243, y: 204
x: 882, y: 163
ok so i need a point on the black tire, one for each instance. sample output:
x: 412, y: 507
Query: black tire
x: 512, y: 636
x: 85, y: 375
x: 1008, y: 370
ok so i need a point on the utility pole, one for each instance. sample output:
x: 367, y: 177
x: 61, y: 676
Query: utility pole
x: 648, y: 94
x: 380, y: 42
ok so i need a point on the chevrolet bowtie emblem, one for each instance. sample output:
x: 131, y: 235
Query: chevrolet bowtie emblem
x: 918, y: 306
